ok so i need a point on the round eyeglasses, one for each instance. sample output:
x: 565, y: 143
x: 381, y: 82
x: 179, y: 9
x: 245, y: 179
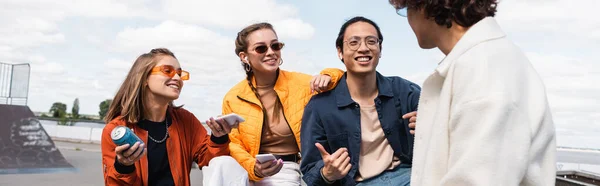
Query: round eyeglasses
x: 371, y: 42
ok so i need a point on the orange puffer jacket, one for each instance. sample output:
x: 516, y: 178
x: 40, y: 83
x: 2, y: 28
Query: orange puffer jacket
x: 293, y: 90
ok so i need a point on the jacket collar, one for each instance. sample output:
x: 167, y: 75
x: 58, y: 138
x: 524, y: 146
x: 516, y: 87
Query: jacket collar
x: 281, y: 88
x: 485, y: 30
x: 342, y: 94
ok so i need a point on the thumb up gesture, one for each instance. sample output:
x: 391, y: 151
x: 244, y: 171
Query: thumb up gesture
x: 337, y: 165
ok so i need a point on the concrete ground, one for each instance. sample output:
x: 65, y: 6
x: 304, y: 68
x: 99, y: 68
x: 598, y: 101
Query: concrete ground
x: 86, y: 159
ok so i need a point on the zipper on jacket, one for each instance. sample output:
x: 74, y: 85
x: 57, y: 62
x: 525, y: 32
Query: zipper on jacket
x: 288, y: 123
x: 263, y: 120
x: 180, y: 176
x: 135, y: 126
x: 169, y: 142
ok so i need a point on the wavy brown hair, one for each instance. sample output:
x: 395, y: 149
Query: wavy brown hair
x: 129, y: 100
x: 464, y: 12
x: 241, y: 45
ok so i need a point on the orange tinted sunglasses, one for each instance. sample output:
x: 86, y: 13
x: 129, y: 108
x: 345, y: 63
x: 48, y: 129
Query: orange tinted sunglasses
x: 170, y: 71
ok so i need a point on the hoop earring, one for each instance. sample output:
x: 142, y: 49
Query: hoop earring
x: 280, y: 61
x: 247, y: 67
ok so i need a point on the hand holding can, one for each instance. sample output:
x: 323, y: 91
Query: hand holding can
x: 128, y: 156
x: 130, y: 148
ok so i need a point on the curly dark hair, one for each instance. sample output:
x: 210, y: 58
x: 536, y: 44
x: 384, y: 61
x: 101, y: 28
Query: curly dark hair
x: 464, y: 12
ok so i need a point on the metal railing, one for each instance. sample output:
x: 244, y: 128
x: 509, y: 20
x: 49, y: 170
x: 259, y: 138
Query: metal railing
x: 14, y: 83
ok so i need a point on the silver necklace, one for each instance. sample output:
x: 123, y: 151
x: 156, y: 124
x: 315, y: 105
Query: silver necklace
x: 166, y: 132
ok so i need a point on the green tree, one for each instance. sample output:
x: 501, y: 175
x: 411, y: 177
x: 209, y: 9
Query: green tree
x: 58, y: 110
x: 104, y: 105
x: 75, y: 109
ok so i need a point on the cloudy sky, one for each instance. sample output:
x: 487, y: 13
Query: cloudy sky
x: 83, y: 49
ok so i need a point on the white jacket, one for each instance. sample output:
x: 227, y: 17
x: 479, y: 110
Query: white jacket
x: 484, y: 117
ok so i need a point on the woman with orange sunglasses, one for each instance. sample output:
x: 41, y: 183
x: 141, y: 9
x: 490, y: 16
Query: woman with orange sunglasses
x: 144, y: 103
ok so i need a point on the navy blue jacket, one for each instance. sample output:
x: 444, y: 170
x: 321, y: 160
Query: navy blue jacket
x: 333, y: 119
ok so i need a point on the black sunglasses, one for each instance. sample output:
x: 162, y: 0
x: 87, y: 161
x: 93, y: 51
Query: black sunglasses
x: 261, y: 49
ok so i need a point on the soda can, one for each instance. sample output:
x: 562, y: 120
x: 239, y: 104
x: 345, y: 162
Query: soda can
x: 122, y: 135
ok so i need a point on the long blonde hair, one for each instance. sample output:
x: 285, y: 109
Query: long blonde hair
x: 129, y: 100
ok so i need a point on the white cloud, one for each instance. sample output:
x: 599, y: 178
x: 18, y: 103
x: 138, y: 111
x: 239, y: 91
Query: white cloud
x: 107, y: 8
x: 572, y: 83
x: 97, y: 85
x: 50, y: 68
x: 56, y: 10
x: 573, y: 94
x: 293, y: 28
x: 29, y: 32
x: 118, y: 64
x: 174, y: 35
x: 236, y: 14
x: 558, y: 16
x: 31, y: 23
x: 229, y: 14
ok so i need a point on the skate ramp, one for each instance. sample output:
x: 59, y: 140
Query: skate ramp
x: 25, y: 147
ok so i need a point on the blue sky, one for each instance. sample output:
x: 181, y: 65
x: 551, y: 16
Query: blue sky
x: 83, y: 49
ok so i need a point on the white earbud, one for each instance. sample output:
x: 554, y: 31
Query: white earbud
x: 246, y: 58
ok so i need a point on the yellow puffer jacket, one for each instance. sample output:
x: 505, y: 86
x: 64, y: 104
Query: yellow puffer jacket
x: 293, y: 90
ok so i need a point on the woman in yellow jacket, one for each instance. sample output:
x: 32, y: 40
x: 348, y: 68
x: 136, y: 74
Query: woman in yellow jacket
x: 272, y: 102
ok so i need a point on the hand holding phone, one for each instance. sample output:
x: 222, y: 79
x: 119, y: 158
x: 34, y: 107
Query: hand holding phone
x: 267, y: 165
x: 262, y: 158
x: 232, y: 119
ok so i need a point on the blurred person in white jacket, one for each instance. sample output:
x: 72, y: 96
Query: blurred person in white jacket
x: 484, y: 117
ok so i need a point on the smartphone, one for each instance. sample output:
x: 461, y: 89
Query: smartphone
x: 262, y: 158
x: 231, y: 119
